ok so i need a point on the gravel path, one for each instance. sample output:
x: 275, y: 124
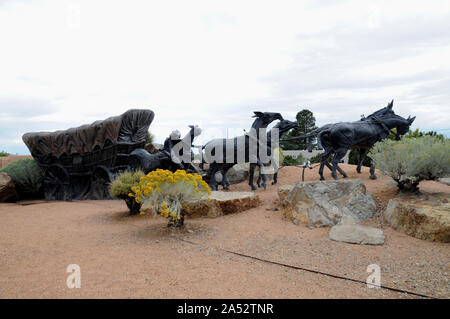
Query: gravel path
x: 138, y: 257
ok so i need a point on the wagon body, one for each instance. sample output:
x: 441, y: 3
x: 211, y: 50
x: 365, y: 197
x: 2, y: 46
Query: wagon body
x: 79, y: 163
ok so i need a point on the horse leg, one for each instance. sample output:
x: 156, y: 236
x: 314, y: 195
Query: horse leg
x: 258, y: 180
x: 250, y: 176
x: 212, y: 176
x: 372, y: 171
x: 275, y: 174
x: 362, y: 156
x: 225, y: 180
x: 338, y: 155
x: 323, y: 161
x: 262, y: 173
x: 340, y: 170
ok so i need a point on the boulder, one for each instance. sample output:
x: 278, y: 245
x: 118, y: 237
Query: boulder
x: 323, y: 203
x: 284, y: 190
x: 238, y: 173
x: 349, y: 231
x: 423, y: 218
x: 221, y: 203
x: 7, y: 190
x: 445, y: 180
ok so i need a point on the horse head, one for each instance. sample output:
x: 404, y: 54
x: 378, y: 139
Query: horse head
x: 403, y: 127
x: 285, y: 125
x: 263, y: 119
x: 396, y: 121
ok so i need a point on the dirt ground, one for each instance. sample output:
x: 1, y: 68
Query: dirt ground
x: 138, y: 257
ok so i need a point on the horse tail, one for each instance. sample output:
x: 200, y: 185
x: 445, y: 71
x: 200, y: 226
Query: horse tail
x: 323, y: 138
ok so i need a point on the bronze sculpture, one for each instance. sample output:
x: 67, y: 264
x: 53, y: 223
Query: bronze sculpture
x: 240, y: 148
x: 171, y: 157
x: 363, y: 134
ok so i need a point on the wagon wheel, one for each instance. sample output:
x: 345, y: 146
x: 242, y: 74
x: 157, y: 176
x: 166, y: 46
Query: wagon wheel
x: 100, y: 179
x: 57, y: 183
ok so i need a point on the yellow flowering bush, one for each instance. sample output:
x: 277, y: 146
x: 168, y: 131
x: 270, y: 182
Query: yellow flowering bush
x: 164, y: 192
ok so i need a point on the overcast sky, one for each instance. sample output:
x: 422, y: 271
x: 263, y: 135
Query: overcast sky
x: 212, y: 63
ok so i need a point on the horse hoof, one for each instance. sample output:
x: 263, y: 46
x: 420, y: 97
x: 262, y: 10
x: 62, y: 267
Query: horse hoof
x: 344, y: 176
x: 254, y: 188
x: 373, y: 176
x: 264, y: 186
x: 322, y: 178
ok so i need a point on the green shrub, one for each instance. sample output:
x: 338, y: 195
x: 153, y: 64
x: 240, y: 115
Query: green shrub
x: 3, y: 154
x: 121, y: 187
x: 353, y: 158
x: 316, y: 159
x: 289, y: 160
x: 27, y: 178
x: 412, y: 160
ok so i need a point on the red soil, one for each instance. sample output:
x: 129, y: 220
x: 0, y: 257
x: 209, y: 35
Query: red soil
x: 133, y: 257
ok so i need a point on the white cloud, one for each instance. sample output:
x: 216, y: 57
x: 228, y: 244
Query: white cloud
x: 212, y: 63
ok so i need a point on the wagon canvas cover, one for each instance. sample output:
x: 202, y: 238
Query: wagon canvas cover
x: 132, y: 126
x: 80, y: 162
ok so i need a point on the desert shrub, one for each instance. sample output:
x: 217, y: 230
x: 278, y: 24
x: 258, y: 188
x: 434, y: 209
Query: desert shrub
x: 121, y: 188
x: 289, y: 160
x: 164, y: 193
x: 3, y: 154
x: 412, y: 160
x: 316, y: 158
x: 27, y: 178
x: 353, y: 158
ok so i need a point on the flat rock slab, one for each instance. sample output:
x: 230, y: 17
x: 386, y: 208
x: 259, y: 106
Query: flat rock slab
x: 427, y: 219
x: 221, y: 203
x: 324, y: 203
x: 350, y: 232
x: 445, y: 180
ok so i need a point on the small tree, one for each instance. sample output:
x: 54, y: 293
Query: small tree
x: 306, y: 123
x: 149, y: 138
x: 412, y: 160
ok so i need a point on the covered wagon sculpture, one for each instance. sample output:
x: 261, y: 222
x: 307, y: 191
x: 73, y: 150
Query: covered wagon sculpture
x: 79, y: 163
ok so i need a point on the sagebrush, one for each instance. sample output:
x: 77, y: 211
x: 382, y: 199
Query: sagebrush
x: 27, y: 178
x: 412, y: 160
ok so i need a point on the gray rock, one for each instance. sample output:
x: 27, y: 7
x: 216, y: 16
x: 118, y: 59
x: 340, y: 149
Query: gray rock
x: 7, y: 190
x: 238, y: 173
x: 445, y: 180
x: 427, y: 219
x: 324, y: 203
x: 349, y: 232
